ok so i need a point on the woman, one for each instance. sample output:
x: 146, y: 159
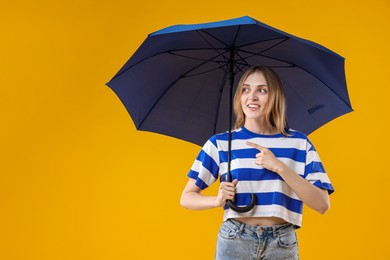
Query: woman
x: 279, y: 165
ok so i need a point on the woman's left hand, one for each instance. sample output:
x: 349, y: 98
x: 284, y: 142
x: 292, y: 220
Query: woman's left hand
x: 266, y: 158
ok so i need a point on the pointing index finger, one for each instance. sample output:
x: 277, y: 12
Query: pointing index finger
x: 258, y: 147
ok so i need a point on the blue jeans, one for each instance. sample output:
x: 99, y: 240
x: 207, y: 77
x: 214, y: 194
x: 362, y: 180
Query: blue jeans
x: 237, y: 240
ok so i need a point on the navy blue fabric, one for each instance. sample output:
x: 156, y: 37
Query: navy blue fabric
x: 176, y: 83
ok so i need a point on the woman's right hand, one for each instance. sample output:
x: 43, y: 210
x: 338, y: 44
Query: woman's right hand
x: 227, y: 191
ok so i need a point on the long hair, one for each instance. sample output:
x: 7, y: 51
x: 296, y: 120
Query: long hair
x: 276, y: 107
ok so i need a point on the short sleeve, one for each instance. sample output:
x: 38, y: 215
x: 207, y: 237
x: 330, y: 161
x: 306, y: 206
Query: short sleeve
x: 314, y: 170
x: 205, y: 169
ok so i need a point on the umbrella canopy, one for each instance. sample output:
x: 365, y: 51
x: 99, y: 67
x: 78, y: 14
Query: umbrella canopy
x: 177, y: 82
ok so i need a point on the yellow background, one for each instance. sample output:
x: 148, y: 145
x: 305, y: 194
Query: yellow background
x: 77, y: 181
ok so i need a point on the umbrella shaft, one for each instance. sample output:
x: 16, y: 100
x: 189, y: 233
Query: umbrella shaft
x: 231, y: 82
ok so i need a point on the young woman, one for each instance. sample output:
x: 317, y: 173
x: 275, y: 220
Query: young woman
x: 279, y: 165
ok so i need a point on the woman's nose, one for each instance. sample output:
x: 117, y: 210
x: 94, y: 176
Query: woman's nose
x: 253, y: 96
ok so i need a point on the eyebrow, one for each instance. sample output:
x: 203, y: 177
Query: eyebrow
x: 248, y: 85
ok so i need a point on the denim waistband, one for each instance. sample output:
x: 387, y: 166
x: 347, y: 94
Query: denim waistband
x: 261, y: 229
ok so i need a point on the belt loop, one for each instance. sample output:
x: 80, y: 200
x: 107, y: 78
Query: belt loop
x: 242, y: 226
x: 274, y: 228
x: 275, y: 232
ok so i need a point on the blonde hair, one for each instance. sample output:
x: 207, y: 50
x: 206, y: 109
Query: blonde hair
x: 276, y: 107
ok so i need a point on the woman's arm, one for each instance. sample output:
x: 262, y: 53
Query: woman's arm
x: 312, y: 196
x: 191, y: 198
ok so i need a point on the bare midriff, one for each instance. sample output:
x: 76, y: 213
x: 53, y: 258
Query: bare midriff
x: 262, y: 221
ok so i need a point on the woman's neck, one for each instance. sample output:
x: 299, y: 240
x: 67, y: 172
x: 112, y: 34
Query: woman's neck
x: 259, y: 127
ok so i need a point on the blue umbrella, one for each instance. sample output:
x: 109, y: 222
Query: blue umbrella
x: 180, y: 80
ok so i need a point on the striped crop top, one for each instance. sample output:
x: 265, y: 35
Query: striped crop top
x: 274, y: 197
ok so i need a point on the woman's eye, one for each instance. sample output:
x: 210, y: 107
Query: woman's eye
x: 245, y: 90
x: 263, y: 90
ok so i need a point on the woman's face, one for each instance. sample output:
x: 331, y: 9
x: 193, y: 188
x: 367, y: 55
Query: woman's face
x: 254, y: 97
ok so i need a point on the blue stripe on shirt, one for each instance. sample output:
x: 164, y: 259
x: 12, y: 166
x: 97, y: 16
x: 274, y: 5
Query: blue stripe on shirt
x: 314, y: 167
x: 208, y: 163
x: 198, y: 181
x: 252, y: 175
x: 292, y: 153
x: 324, y: 185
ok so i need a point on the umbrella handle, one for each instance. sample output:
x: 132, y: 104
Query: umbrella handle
x: 247, y: 208
x: 236, y: 208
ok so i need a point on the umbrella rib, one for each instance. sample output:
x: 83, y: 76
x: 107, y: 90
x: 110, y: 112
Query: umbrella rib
x: 205, y: 61
x: 220, y: 54
x: 170, y: 51
x: 294, y: 65
x: 194, y: 58
x: 212, y: 36
x: 240, y: 65
x: 156, y: 54
x: 299, y: 67
x: 259, y: 53
x: 283, y: 39
x: 289, y: 65
x: 167, y: 89
x: 203, y: 72
x: 214, y: 48
x: 219, y: 40
x: 265, y: 56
